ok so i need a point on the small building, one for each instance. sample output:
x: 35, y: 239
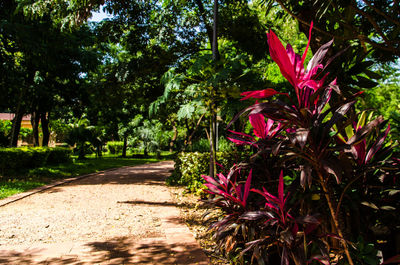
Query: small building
x: 26, y: 120
x: 25, y: 123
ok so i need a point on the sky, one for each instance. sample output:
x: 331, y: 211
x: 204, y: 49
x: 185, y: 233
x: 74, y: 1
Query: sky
x: 99, y: 16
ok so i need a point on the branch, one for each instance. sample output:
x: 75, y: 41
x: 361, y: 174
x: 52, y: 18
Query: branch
x: 368, y: 3
x: 306, y: 23
x: 360, y: 37
x: 373, y: 23
x: 195, y: 129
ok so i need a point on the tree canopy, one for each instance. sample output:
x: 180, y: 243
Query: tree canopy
x: 153, y: 58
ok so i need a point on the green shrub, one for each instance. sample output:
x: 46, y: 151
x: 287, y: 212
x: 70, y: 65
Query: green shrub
x: 59, y: 155
x: 189, y: 166
x: 115, y: 147
x: 203, y: 145
x: 38, y: 156
x: 18, y: 160
x: 13, y: 160
x: 5, y: 128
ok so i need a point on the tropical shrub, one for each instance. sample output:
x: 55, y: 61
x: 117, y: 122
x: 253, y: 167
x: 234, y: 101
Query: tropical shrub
x: 84, y: 138
x: 319, y: 181
x: 115, y: 147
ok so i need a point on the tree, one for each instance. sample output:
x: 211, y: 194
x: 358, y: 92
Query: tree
x: 371, y: 24
x: 365, y: 33
x: 45, y: 64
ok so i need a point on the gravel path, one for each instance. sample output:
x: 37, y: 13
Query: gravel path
x: 131, y: 203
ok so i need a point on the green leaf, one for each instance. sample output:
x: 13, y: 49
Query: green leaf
x: 362, y: 119
x: 372, y: 75
x: 364, y: 82
x: 186, y: 111
x: 349, y: 131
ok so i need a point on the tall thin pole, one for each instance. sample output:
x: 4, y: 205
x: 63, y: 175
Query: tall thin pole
x: 215, y: 52
x: 213, y: 108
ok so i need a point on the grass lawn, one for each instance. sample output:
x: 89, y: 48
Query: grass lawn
x: 44, y: 175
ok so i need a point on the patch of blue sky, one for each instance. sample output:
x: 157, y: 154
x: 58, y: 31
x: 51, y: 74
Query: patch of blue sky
x: 99, y: 15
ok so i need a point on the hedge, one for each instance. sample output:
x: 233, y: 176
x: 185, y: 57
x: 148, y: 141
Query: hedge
x: 17, y: 160
x: 189, y: 166
x: 59, y: 155
x: 115, y: 147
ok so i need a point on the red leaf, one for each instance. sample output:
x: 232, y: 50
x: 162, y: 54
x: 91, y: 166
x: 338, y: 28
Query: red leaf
x: 308, y: 44
x: 320, y: 259
x: 247, y: 188
x: 395, y: 259
x: 279, y: 55
x: 266, y: 93
x: 223, y: 179
x: 280, y: 189
x: 259, y: 125
x: 210, y: 180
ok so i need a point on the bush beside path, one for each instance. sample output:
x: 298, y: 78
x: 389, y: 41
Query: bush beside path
x: 124, y: 216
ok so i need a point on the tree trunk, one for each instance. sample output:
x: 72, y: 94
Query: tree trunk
x: 99, y: 151
x: 35, y: 118
x: 206, y: 24
x: 146, y: 153
x: 215, y: 51
x: 125, y: 145
x: 45, y: 128
x: 172, y: 143
x: 16, y: 123
x: 16, y: 127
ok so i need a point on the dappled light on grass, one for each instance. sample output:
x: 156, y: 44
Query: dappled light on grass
x: 43, y: 175
x: 11, y: 187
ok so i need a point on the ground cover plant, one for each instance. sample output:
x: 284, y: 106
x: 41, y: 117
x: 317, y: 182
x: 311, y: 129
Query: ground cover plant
x: 320, y: 184
x: 43, y: 175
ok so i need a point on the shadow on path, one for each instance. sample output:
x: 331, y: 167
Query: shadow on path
x: 116, y: 251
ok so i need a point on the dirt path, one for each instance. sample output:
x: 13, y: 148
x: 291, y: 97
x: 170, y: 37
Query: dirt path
x: 126, y: 216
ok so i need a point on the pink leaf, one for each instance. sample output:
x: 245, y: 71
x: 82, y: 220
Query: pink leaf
x: 239, y: 142
x: 258, y: 123
x: 320, y: 259
x: 308, y: 44
x: 210, y: 180
x: 392, y: 260
x: 223, y: 179
x: 247, y: 188
x: 270, y: 123
x: 280, y: 188
x: 266, y: 93
x: 279, y: 55
x: 214, y: 189
x: 242, y: 134
x: 295, y: 229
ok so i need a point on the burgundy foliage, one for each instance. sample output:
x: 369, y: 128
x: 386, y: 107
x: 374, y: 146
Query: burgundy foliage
x: 333, y: 160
